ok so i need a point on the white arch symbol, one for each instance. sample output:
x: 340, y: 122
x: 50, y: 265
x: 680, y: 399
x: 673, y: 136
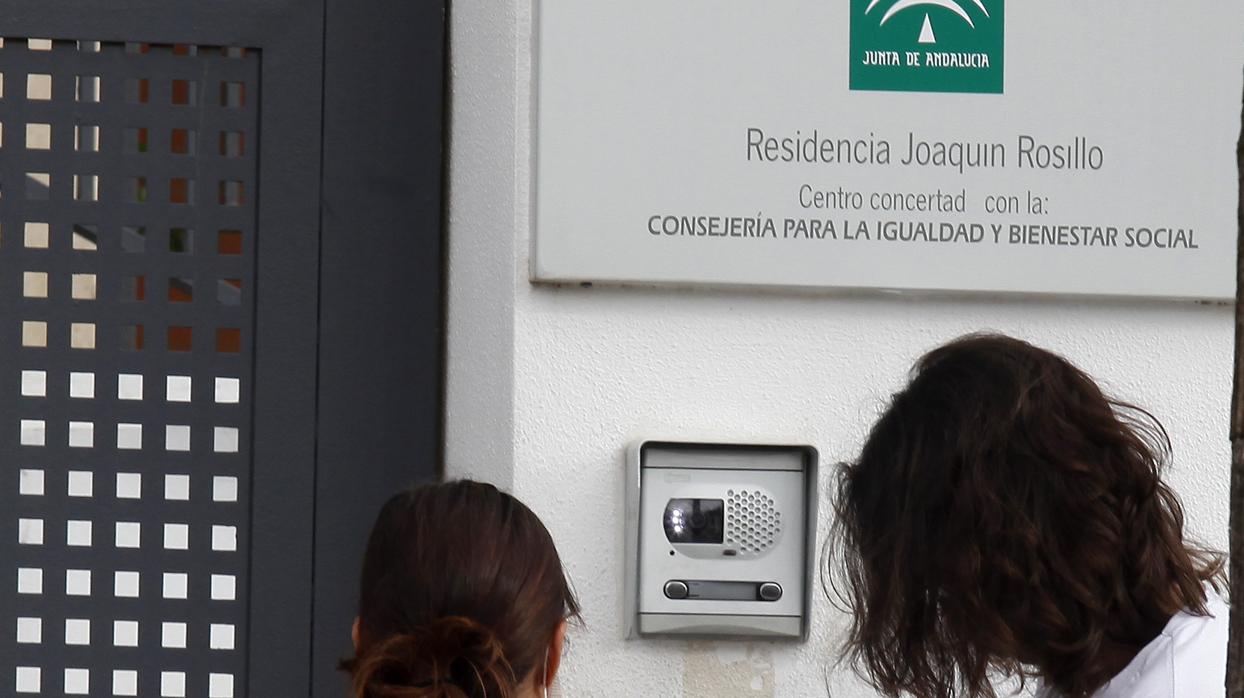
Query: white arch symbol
x: 951, y: 5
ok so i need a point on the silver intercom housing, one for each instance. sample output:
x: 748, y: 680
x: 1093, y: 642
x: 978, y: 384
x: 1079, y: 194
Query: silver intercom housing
x: 720, y: 539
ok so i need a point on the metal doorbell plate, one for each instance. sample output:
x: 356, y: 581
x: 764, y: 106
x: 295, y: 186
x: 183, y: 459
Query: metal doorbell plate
x: 721, y: 539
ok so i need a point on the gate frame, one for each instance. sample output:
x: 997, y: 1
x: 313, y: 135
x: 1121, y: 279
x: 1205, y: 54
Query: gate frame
x: 348, y: 375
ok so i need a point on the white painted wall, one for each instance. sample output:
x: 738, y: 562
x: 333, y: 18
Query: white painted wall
x: 547, y: 386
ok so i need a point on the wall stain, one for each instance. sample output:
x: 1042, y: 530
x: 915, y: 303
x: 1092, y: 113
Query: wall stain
x: 725, y: 670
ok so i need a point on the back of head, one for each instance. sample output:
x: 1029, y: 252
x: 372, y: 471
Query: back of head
x: 462, y: 591
x: 1006, y: 516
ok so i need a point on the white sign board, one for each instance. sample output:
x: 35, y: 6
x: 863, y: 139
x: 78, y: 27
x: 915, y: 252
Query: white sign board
x: 1058, y: 146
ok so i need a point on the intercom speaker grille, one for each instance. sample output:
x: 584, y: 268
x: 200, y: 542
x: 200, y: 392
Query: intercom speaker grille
x: 753, y: 522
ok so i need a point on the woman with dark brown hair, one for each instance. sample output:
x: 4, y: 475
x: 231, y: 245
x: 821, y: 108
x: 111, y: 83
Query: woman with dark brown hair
x: 1005, y: 519
x: 463, y: 596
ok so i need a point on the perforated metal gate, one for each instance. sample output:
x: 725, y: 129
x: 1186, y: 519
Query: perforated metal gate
x: 126, y: 249
x: 186, y: 358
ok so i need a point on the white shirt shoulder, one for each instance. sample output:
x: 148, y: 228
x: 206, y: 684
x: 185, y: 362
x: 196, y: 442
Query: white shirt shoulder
x: 1187, y: 660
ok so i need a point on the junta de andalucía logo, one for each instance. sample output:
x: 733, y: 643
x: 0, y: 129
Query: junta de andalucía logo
x: 928, y: 45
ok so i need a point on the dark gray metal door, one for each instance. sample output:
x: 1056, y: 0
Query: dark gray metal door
x: 220, y: 330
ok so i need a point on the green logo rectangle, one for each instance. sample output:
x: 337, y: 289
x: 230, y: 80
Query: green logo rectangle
x: 928, y: 45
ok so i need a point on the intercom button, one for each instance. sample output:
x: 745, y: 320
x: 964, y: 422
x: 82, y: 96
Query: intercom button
x: 675, y: 589
x: 770, y: 591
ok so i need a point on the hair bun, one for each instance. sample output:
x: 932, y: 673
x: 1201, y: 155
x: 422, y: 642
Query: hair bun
x: 451, y: 657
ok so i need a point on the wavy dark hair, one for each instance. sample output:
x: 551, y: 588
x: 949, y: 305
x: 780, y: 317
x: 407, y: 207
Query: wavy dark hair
x: 461, y: 595
x: 1006, y: 519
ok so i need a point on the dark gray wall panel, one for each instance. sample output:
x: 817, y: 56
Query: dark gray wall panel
x: 380, y: 360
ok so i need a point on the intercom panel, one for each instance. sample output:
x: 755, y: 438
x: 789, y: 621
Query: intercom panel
x: 720, y: 538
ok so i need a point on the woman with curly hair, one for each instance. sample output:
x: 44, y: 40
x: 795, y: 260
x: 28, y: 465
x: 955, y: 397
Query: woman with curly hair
x: 1005, y: 519
x: 462, y: 596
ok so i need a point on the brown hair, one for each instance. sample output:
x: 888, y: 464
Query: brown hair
x: 1006, y: 518
x: 462, y: 592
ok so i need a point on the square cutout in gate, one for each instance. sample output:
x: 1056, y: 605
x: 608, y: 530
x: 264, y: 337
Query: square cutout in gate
x: 134, y: 140
x: 229, y: 291
x: 130, y: 437
x: 177, y: 488
x: 77, y: 632
x: 232, y: 144
x: 37, y: 235
x: 133, y: 288
x: 35, y: 383
x: 35, y: 284
x: 125, y: 585
x: 181, y: 191
x: 185, y: 93
x: 34, y: 432
x: 39, y: 87
x: 128, y: 534
x: 29, y: 678
x: 78, y: 534
x: 224, y: 488
x: 229, y: 340
x: 132, y: 338
x: 77, y: 582
x: 137, y: 90
x: 178, y: 388
x: 233, y: 95
x: 232, y: 193
x: 125, y: 633
x: 181, y: 339
x: 136, y: 191
x: 86, y: 187
x: 86, y: 139
x: 175, y: 584
x: 134, y: 238
x: 31, y: 483
x: 172, y: 684
x: 82, y: 385
x: 181, y: 241
x: 29, y: 631
x: 83, y: 287
x: 34, y: 334
x: 29, y: 580
x: 82, y: 335
x: 228, y: 391
x: 38, y: 136
x: 181, y: 290
x: 86, y: 88
x: 85, y: 237
x: 129, y: 386
x: 229, y: 243
x: 38, y: 186
x: 130, y: 485
x: 181, y: 141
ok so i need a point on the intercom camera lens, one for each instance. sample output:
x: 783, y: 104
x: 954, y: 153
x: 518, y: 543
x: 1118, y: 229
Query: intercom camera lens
x: 695, y: 521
